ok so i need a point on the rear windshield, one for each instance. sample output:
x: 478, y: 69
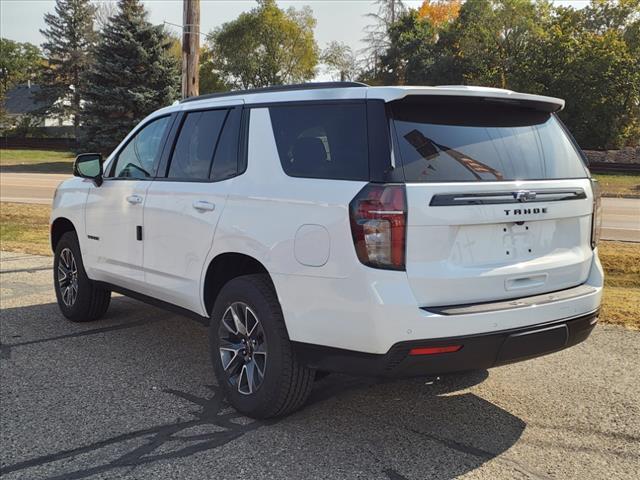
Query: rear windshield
x: 467, y: 141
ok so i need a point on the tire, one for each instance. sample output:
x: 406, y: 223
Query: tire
x: 285, y: 383
x: 83, y: 301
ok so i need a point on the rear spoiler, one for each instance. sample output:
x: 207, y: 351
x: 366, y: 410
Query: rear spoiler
x: 492, y: 95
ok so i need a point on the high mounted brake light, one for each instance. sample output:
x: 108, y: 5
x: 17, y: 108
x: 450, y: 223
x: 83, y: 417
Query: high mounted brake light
x: 378, y: 216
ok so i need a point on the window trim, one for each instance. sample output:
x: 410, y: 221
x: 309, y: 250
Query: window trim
x: 134, y: 133
x: 165, y: 163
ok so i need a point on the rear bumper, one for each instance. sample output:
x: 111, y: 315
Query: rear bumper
x: 373, y: 310
x: 477, y: 351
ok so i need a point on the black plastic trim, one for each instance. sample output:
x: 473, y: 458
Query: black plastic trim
x: 379, y: 143
x: 153, y: 301
x: 277, y: 88
x: 508, y: 196
x: 479, y: 351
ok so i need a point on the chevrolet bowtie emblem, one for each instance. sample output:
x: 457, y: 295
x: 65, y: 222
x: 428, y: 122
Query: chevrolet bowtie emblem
x: 524, y: 195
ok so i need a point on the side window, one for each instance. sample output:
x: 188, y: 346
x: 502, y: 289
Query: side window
x: 322, y: 141
x: 140, y: 157
x: 196, y: 145
x: 225, y: 162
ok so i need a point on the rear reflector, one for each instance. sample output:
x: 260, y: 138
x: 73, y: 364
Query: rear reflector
x: 434, y: 350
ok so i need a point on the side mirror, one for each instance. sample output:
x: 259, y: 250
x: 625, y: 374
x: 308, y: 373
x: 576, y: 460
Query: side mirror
x: 89, y: 165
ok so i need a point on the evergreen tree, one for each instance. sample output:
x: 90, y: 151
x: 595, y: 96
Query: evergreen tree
x: 68, y: 39
x: 132, y: 75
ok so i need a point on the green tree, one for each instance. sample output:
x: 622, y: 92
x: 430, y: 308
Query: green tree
x: 340, y: 61
x: 594, y: 67
x: 265, y: 46
x: 377, y: 35
x: 590, y: 57
x: 410, y: 55
x: 494, y: 38
x: 210, y: 79
x: 69, y: 37
x: 132, y: 75
x: 19, y: 62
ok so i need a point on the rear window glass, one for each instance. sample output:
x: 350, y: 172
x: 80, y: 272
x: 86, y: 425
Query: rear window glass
x: 481, y: 141
x: 322, y: 141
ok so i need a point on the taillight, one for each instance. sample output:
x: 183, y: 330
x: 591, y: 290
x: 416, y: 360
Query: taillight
x: 596, y: 218
x: 378, y: 225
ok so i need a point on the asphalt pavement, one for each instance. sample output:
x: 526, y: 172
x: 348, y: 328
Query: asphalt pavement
x: 621, y: 219
x: 29, y: 187
x: 621, y: 216
x: 133, y: 396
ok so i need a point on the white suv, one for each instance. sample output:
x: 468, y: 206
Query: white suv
x: 389, y: 231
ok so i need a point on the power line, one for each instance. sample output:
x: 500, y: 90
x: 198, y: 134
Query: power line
x: 182, y: 27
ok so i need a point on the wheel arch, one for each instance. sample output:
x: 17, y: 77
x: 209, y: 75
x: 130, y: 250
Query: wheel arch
x: 59, y: 227
x: 225, y: 267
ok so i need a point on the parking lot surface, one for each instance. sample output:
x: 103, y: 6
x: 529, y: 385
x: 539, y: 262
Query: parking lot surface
x: 133, y: 396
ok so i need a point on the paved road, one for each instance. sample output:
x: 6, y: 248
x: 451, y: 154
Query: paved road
x: 621, y: 217
x: 132, y: 396
x: 29, y: 187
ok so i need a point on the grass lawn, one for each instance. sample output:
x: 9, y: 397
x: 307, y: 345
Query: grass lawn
x: 25, y: 228
x: 618, y: 184
x: 621, y: 263
x: 35, y: 161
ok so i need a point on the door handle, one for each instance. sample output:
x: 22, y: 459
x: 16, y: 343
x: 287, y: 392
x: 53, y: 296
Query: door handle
x: 204, y: 206
x: 134, y: 199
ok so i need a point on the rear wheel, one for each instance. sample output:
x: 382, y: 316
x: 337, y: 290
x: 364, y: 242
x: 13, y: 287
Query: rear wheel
x: 251, y: 351
x: 79, y: 299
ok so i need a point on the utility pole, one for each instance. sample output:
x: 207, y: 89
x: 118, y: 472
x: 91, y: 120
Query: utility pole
x: 190, y: 48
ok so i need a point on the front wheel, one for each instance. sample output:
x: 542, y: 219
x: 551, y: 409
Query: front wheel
x: 79, y: 299
x: 251, y: 351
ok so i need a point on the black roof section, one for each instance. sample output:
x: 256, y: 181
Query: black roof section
x: 278, y: 88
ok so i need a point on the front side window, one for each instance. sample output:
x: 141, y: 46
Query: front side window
x: 472, y: 141
x: 140, y: 157
x: 322, y: 141
x: 193, y: 153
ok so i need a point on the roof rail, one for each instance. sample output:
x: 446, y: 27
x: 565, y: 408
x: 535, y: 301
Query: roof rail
x: 278, y: 88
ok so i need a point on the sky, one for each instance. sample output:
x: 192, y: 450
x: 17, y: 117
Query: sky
x: 341, y: 20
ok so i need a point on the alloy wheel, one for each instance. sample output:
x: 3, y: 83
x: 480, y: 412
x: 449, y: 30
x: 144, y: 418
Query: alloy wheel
x: 68, y: 277
x: 243, y: 348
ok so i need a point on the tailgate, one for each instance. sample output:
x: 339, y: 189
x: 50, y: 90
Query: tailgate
x: 459, y: 252
x: 499, y: 201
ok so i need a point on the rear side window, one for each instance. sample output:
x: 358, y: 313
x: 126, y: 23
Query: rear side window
x: 196, y: 144
x: 467, y: 141
x: 322, y: 141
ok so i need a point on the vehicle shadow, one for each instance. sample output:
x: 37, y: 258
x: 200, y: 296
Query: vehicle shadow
x: 351, y: 426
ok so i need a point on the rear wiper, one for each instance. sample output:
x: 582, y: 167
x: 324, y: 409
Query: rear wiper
x: 428, y: 149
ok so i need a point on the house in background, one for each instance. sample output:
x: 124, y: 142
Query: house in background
x: 22, y: 102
